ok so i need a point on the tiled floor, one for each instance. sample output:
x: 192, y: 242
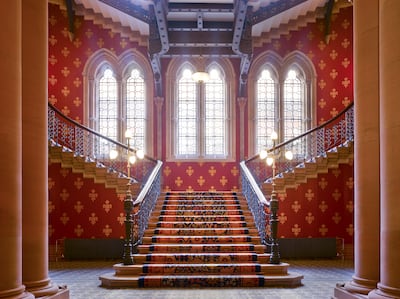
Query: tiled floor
x: 320, y: 278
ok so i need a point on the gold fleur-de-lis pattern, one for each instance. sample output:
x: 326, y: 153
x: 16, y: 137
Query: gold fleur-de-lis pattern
x: 324, y: 206
x: 80, y: 208
x: 188, y: 176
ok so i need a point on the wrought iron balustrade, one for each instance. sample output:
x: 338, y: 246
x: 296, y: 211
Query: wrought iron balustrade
x: 307, y: 147
x: 91, y: 146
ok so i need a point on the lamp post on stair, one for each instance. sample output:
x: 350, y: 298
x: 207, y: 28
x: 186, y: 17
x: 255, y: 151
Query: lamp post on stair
x: 271, y: 156
x: 132, y: 156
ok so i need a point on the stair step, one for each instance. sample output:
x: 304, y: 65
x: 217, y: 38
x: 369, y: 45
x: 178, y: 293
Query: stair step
x: 185, y: 224
x: 204, y: 212
x: 201, y: 239
x: 200, y: 207
x: 181, y: 248
x: 209, y: 268
x: 198, y: 218
x: 210, y: 201
x: 195, y: 258
x: 216, y: 232
x: 165, y: 281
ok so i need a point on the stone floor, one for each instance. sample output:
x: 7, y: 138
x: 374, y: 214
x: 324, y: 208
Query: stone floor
x: 320, y: 278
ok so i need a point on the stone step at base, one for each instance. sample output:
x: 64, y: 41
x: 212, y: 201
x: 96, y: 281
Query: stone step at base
x: 201, y: 281
x: 111, y: 280
x: 209, y: 268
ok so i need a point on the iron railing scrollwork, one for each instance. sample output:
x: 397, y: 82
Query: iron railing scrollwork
x: 91, y: 146
x: 145, y: 202
x: 306, y: 147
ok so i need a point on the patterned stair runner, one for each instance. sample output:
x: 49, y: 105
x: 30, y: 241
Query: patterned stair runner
x: 199, y: 240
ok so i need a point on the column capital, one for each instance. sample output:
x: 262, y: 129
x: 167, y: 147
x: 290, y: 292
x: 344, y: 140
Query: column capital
x: 159, y: 101
x: 242, y: 102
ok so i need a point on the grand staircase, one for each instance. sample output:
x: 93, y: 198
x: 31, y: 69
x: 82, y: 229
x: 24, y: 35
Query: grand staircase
x: 201, y: 240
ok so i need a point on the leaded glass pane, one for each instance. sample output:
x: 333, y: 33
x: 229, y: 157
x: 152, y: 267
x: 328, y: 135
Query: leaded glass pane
x: 215, y: 116
x: 293, y: 106
x: 265, y: 110
x: 108, y: 105
x: 136, y: 108
x: 187, y: 111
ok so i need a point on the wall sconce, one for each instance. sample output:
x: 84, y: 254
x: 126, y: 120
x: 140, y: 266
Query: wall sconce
x: 271, y: 156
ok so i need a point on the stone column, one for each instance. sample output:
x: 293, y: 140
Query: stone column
x: 10, y: 152
x: 34, y: 153
x: 366, y: 150
x: 389, y: 49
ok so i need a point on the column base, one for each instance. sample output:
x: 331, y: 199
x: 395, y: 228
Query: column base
x: 63, y: 293
x: 340, y: 292
x: 360, y: 285
x: 40, y: 290
x: 18, y: 293
x: 384, y: 292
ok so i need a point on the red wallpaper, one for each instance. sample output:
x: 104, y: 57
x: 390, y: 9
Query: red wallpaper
x: 333, y: 64
x: 67, y: 58
x: 311, y: 210
x: 80, y: 208
x: 333, y: 61
x: 201, y: 176
x: 321, y: 208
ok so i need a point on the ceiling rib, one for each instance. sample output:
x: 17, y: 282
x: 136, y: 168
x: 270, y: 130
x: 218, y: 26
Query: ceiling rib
x: 226, y: 28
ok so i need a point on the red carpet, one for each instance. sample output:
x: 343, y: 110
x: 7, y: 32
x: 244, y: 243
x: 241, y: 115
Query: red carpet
x: 201, y: 240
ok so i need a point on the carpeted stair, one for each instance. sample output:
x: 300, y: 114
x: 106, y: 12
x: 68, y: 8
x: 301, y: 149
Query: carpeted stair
x: 201, y: 240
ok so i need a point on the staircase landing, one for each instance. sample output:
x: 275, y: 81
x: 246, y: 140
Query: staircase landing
x: 201, y: 240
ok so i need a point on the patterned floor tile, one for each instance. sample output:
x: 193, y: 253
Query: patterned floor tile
x: 320, y: 278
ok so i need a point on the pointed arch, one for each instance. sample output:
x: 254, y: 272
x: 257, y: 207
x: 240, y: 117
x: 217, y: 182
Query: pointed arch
x: 201, y: 114
x: 282, y: 104
x: 134, y: 97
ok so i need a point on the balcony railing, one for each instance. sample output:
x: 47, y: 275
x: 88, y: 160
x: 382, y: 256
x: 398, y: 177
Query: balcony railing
x: 90, y: 146
x: 307, y: 147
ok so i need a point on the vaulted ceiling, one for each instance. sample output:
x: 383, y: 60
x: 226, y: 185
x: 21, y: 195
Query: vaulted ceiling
x: 208, y: 28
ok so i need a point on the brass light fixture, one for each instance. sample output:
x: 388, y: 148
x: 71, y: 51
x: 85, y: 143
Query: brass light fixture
x: 132, y: 157
x: 271, y: 156
x: 201, y: 75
